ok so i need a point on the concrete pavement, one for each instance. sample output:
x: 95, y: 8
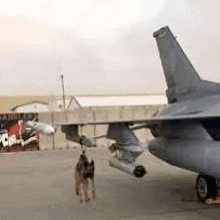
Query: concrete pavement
x: 40, y: 185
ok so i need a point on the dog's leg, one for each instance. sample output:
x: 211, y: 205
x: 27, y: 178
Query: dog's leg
x: 80, y: 193
x: 85, y: 187
x: 93, y: 187
x: 78, y: 186
x: 77, y: 183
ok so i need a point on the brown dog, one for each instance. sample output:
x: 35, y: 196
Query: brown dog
x: 84, y: 174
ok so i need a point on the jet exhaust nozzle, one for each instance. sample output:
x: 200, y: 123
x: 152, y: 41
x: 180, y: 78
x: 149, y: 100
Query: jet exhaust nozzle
x: 139, y: 171
x: 130, y: 168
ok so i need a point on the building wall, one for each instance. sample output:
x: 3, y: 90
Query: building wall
x: 58, y: 141
x: 90, y: 114
x: 95, y: 114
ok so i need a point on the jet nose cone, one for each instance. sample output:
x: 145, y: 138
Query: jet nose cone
x: 50, y: 130
x: 47, y: 130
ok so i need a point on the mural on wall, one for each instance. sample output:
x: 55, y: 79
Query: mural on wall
x: 14, y: 135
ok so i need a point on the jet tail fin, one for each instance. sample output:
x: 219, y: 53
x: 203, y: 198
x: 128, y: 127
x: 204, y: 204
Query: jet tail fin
x: 182, y: 79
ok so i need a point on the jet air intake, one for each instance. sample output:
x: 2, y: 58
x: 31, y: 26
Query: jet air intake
x: 130, y: 168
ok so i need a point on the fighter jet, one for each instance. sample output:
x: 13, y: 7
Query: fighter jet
x: 186, y: 132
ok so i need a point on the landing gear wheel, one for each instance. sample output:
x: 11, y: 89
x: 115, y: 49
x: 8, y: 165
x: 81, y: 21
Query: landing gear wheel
x: 206, y: 187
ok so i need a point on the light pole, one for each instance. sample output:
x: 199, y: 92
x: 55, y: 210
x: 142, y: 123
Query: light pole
x: 64, y: 101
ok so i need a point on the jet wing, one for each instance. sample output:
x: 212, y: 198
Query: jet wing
x: 199, y: 110
x: 174, y: 116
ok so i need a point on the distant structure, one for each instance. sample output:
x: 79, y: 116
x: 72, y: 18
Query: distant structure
x: 54, y: 104
x: 34, y: 106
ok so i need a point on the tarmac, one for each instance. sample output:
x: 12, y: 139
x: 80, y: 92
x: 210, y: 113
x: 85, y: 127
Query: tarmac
x: 40, y: 185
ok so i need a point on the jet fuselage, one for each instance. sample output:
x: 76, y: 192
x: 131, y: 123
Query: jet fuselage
x: 188, y: 142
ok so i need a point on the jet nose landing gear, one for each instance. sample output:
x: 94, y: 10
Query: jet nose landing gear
x: 206, y: 187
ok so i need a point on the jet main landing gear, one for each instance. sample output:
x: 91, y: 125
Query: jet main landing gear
x: 206, y: 187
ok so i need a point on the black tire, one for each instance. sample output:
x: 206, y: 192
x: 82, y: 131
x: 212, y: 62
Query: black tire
x: 206, y: 187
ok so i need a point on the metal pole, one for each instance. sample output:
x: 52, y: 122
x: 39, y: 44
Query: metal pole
x: 64, y: 102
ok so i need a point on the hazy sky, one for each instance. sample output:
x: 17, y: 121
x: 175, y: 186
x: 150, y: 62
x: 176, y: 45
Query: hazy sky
x: 104, y: 47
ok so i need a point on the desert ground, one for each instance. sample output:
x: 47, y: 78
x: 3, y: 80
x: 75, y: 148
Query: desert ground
x: 40, y: 185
